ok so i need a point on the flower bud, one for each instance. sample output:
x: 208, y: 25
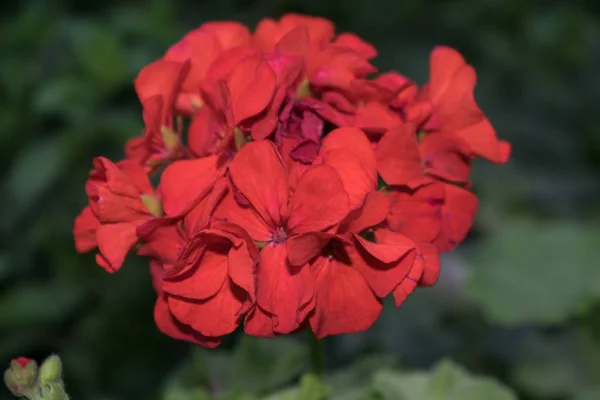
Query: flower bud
x: 170, y: 139
x: 51, y: 370
x: 153, y: 205
x: 21, y: 376
x: 54, y: 391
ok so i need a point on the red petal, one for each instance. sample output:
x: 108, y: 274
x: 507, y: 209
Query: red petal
x: 382, y: 277
x: 242, y: 257
x: 173, y: 328
x: 319, y: 201
x: 353, y: 42
x: 295, y: 43
x: 458, y: 213
x: 84, y: 230
x: 258, y: 172
x: 252, y: 85
x: 398, y: 157
x: 344, y: 301
x: 184, y: 181
x: 377, y: 118
x: 259, y: 323
x: 199, y: 216
x: 216, y: 316
x: 319, y: 29
x: 409, y: 283
x: 229, y: 34
x: 126, y: 178
x: 201, y: 279
x: 161, y: 78
x: 156, y: 273
x: 349, y: 151
x: 389, y: 251
x: 266, y: 126
x: 372, y: 212
x: 446, y: 157
x: 416, y: 214
x: 115, y: 241
x: 483, y: 142
x: 202, y: 133
x: 283, y: 290
x: 112, y: 208
x: 201, y: 48
x: 228, y: 60
x: 431, y: 263
x: 162, y: 243
x: 229, y: 210
x: 444, y: 64
x: 304, y: 247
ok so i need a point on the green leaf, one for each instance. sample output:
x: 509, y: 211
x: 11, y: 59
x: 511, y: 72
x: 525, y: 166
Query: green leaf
x: 32, y: 173
x: 354, y: 382
x: 287, y: 394
x: 592, y: 393
x: 179, y: 393
x: 447, y: 381
x: 535, y: 273
x: 312, y: 388
x: 261, y: 365
x: 100, y: 52
x: 554, y: 366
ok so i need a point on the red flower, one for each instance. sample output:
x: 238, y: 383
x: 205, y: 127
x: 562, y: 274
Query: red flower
x: 157, y: 86
x: 285, y: 293
x: 202, y: 47
x: 437, y: 213
x: 231, y: 103
x: 210, y: 287
x: 343, y: 217
x: 121, y: 199
x: 343, y: 259
x: 450, y: 92
x: 403, y: 159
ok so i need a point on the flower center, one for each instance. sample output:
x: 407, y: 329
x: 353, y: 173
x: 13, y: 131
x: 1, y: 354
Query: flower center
x: 279, y: 236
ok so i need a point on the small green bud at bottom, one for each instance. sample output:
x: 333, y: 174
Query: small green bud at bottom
x: 51, y: 370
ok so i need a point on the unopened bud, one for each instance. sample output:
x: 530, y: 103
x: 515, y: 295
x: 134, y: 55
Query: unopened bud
x: 304, y: 90
x: 54, y: 391
x: 153, y: 205
x: 239, y: 138
x: 170, y: 139
x: 21, y: 376
x: 51, y: 370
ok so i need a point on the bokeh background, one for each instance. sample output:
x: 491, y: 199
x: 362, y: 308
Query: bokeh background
x: 518, y: 302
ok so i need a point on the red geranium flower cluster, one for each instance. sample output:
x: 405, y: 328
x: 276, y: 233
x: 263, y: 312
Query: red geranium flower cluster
x: 298, y: 189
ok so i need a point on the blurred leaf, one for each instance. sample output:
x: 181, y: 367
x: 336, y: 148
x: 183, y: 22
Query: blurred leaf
x: 67, y: 95
x: 447, y: 381
x: 312, y: 388
x: 535, y: 273
x: 262, y: 365
x: 255, y: 367
x: 354, y: 381
x: 287, y: 394
x: 175, y: 393
x: 34, y: 171
x: 587, y: 394
x: 552, y: 366
x: 100, y: 52
x: 29, y: 304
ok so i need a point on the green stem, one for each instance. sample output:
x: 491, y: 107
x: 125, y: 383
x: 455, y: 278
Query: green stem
x: 317, y: 359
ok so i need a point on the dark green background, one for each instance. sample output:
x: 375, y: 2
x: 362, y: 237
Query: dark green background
x: 519, y: 299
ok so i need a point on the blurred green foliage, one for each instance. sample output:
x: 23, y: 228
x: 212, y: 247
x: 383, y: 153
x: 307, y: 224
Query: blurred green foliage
x: 518, y: 302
